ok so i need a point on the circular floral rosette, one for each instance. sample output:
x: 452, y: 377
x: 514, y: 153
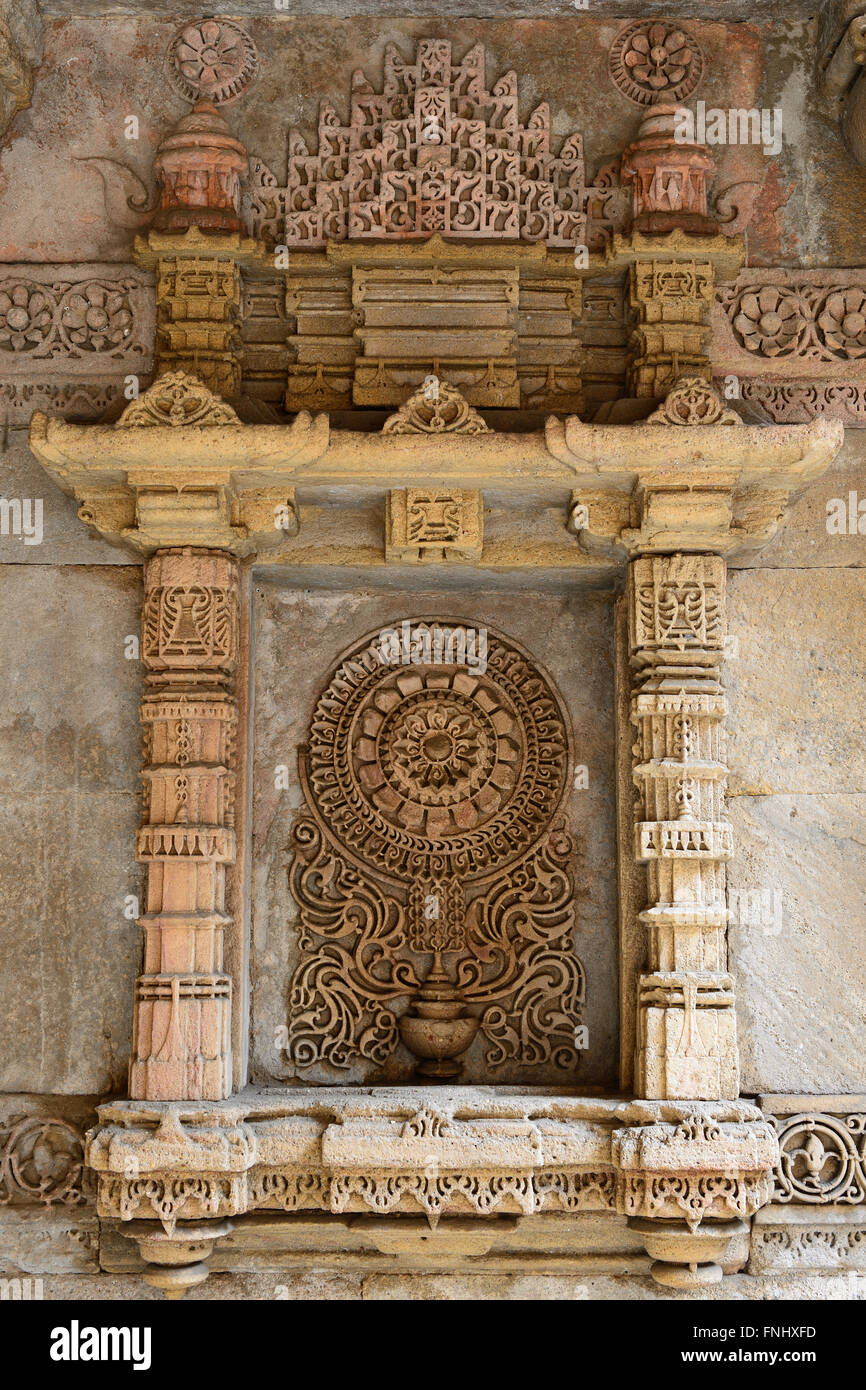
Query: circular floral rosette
x: 212, y: 60
x: 43, y: 1160
x: 651, y: 62
x: 771, y: 321
x: 842, y: 322
x: 433, y: 767
x: 95, y: 317
x: 26, y: 316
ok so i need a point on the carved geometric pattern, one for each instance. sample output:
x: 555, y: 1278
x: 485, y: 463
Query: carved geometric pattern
x: 432, y: 793
x: 177, y: 399
x: 213, y: 60
x: 433, y: 152
x: 652, y: 62
x: 822, y: 1159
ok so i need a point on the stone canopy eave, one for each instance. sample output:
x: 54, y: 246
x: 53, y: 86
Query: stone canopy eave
x: 737, y: 479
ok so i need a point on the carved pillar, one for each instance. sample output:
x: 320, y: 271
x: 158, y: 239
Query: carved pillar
x: 182, y: 1043
x: 686, y: 1032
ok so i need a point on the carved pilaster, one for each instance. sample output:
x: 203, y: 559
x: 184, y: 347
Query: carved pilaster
x: 181, y: 1043
x: 686, y: 1027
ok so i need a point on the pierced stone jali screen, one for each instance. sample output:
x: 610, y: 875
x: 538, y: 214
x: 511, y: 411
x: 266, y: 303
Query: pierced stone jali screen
x: 434, y: 883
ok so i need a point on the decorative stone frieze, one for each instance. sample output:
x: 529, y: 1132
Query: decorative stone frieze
x: 72, y: 337
x: 433, y: 524
x: 189, y: 646
x: 468, y: 1150
x: 816, y: 1219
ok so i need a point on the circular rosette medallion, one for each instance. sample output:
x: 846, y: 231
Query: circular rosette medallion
x: 423, y: 765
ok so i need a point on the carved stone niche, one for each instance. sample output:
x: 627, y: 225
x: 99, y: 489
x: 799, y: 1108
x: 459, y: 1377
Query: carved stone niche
x: 432, y: 867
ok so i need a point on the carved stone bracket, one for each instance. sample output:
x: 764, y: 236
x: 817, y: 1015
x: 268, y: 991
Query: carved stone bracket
x: 177, y: 469
x: 726, y: 498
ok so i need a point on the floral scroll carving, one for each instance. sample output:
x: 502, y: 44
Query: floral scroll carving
x: 431, y: 828
x: 41, y: 1160
x: 822, y: 1158
x: 815, y: 322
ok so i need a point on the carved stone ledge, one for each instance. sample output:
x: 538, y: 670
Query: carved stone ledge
x: 474, y: 1151
x: 639, y: 488
x: 722, y: 487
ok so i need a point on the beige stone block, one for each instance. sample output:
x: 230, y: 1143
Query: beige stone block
x: 797, y: 687
x: 796, y: 891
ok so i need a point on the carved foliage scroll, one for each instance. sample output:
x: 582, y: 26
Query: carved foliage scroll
x: 432, y: 829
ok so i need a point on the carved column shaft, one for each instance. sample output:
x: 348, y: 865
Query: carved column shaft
x: 686, y: 1029
x: 181, y: 1043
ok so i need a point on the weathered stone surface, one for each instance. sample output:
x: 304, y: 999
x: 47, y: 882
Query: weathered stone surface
x: 798, y: 948
x: 33, y: 1241
x: 803, y: 540
x: 797, y: 685
x: 65, y: 540
x: 67, y: 773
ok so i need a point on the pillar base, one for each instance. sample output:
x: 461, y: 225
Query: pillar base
x: 686, y: 1257
x: 176, y: 1259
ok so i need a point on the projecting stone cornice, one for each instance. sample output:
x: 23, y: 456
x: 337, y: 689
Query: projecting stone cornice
x: 178, y: 468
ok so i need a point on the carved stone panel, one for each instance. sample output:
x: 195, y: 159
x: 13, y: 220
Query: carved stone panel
x: 433, y: 866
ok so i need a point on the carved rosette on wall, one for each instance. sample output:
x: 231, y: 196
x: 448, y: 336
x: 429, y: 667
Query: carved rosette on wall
x: 438, y: 760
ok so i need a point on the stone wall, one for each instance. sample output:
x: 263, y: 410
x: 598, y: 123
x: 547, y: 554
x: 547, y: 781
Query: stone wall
x: 69, y: 730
